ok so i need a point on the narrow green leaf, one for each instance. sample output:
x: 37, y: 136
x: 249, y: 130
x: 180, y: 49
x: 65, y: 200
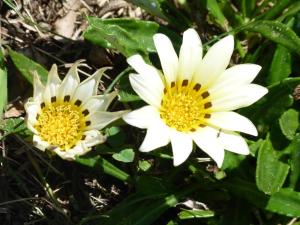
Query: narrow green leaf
x: 27, y: 66
x: 164, y: 10
x: 270, y: 172
x: 294, y: 149
x: 290, y: 11
x: 194, y: 214
x: 276, y: 9
x: 3, y: 84
x: 99, y: 163
x: 289, y: 122
x: 125, y: 96
x: 277, y: 32
x: 215, y: 10
x: 281, y: 66
x: 126, y: 155
x: 129, y: 36
x: 285, y: 202
x: 239, y: 187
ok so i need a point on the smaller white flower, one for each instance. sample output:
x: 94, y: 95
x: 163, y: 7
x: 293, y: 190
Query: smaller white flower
x: 194, y: 99
x: 66, y: 116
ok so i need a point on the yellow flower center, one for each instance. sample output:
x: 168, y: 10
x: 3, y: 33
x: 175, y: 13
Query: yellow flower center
x: 185, y: 106
x: 61, y: 124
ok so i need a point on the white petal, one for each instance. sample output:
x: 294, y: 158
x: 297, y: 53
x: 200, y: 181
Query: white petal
x: 167, y: 55
x: 190, y: 54
x: 79, y: 149
x: 101, y: 119
x: 88, y: 87
x: 143, y: 117
x: 99, y: 102
x: 53, y: 83
x: 138, y: 63
x: 151, y: 92
x: 215, y: 61
x: 32, y: 109
x: 39, y: 143
x: 182, y: 146
x: 93, y: 137
x: 38, y: 87
x: 232, y: 121
x: 229, y: 99
x: 206, y: 139
x: 235, y: 76
x: 70, y: 82
x: 156, y: 137
x: 233, y: 142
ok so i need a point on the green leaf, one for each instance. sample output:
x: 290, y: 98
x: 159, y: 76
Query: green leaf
x: 277, y: 32
x: 194, y: 214
x: 129, y: 36
x: 144, y: 165
x: 270, y: 172
x: 290, y: 11
x: 126, y: 96
x: 239, y: 187
x: 285, y: 202
x: 116, y: 136
x: 27, y: 67
x: 13, y: 126
x: 281, y: 65
x: 99, y: 163
x: 215, y: 10
x: 126, y: 155
x: 294, y: 148
x: 289, y: 122
x: 276, y: 9
x: 165, y: 11
x: 3, y: 89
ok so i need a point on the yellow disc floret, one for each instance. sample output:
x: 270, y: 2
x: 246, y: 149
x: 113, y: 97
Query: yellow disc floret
x: 61, y: 124
x: 185, y: 106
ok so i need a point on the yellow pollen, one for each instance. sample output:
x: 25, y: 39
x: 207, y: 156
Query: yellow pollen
x: 61, y: 124
x: 185, y: 106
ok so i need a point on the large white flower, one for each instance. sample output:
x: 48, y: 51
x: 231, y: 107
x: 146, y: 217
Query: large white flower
x: 66, y: 116
x: 194, y: 98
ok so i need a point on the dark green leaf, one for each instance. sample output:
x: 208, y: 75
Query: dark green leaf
x: 3, y: 90
x: 276, y: 9
x: 126, y: 155
x: 280, y: 66
x: 129, y: 36
x: 289, y: 122
x: 285, y: 202
x: 194, y: 214
x: 270, y: 172
x: 277, y: 32
x: 13, y: 126
x: 294, y: 149
x: 27, y: 67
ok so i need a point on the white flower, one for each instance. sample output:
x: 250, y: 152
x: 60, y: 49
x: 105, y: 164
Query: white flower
x: 194, y: 99
x: 66, y: 116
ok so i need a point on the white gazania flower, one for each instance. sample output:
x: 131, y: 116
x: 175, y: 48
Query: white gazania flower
x: 66, y: 116
x: 194, y: 99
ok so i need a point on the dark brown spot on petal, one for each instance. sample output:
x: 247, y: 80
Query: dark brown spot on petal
x: 197, y: 87
x: 43, y: 105
x: 207, y: 116
x: 193, y: 130
x: 165, y: 90
x: 87, y: 123
x: 85, y: 112
x: 53, y: 99
x: 207, y: 105
x: 78, y: 102
x: 83, y: 137
x: 205, y: 94
x: 185, y: 83
x: 202, y: 125
x: 172, y: 84
x: 37, y: 116
x: 67, y: 98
